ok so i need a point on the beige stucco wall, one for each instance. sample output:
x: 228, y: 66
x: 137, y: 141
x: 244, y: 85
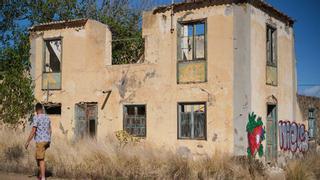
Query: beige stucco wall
x: 285, y: 91
x: 84, y: 56
x: 154, y: 83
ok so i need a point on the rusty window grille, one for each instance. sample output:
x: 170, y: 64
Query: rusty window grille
x: 134, y: 120
x: 192, y: 121
x: 128, y: 51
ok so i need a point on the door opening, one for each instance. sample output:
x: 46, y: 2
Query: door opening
x: 272, y: 143
x: 86, y: 115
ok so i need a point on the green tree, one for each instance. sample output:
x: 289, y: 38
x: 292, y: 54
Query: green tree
x: 16, y: 92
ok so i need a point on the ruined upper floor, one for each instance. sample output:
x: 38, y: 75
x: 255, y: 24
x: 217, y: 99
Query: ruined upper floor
x: 186, y: 32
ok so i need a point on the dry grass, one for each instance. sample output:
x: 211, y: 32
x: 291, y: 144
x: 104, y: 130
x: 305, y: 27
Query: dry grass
x: 109, y: 160
x: 304, y: 168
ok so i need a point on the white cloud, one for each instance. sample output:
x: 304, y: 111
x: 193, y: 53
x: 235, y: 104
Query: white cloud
x: 312, y: 91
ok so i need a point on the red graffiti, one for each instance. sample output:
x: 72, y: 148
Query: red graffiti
x: 255, y: 139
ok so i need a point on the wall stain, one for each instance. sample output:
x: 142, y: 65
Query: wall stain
x: 215, y: 137
x: 131, y: 83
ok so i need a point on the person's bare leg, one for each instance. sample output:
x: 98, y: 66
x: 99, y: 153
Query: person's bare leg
x: 39, y: 172
x: 42, y: 169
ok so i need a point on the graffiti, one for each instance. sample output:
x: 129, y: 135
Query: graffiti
x: 293, y: 137
x: 256, y: 134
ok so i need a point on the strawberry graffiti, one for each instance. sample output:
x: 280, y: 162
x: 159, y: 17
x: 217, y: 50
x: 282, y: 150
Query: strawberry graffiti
x: 293, y: 137
x: 256, y: 134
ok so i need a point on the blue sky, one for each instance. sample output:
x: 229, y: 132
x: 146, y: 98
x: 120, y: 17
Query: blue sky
x: 307, y: 33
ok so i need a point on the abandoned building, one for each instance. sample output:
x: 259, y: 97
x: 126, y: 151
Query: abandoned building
x: 207, y: 65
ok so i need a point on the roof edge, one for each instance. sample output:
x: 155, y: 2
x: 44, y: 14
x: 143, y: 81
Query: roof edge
x: 59, y: 25
x: 267, y: 8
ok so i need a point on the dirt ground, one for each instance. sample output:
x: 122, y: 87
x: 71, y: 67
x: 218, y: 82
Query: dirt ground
x: 13, y: 176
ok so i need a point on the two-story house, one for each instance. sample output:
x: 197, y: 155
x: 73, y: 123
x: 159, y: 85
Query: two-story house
x: 207, y: 65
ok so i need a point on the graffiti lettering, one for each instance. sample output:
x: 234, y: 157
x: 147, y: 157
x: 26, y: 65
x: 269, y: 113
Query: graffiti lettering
x: 293, y: 136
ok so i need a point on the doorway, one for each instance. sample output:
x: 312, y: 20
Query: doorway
x: 86, y: 116
x: 271, y: 136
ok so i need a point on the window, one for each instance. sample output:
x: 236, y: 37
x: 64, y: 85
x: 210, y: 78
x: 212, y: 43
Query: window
x: 271, y: 46
x: 192, y: 121
x: 134, y: 120
x: 271, y: 49
x: 191, y: 51
x: 52, y: 64
x: 311, y: 123
x: 53, y: 109
x: 192, y: 41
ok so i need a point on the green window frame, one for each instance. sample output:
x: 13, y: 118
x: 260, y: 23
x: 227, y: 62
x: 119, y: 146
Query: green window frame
x: 311, y: 123
x: 52, y: 64
x: 192, y: 51
x: 271, y: 56
x: 192, y: 37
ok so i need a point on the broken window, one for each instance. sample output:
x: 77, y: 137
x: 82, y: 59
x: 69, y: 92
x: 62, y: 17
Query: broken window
x: 192, y: 41
x: 271, y: 45
x: 52, y: 108
x: 86, y: 114
x: 134, y: 120
x: 311, y: 123
x: 192, y: 121
x: 191, y: 51
x: 52, y: 64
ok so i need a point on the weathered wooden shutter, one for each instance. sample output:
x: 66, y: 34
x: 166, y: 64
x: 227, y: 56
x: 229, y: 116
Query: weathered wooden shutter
x: 199, y: 124
x: 274, y: 47
x: 81, y: 122
x: 185, y: 124
x: 268, y: 44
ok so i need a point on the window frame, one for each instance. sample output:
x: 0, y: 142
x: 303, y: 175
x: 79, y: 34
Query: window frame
x: 313, y: 118
x: 193, y: 22
x: 85, y: 106
x: 274, y: 43
x: 44, y: 60
x: 205, y: 123
x: 179, y: 60
x: 269, y: 60
x: 123, y: 119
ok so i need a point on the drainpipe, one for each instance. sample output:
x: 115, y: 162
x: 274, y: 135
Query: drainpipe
x: 172, y: 14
